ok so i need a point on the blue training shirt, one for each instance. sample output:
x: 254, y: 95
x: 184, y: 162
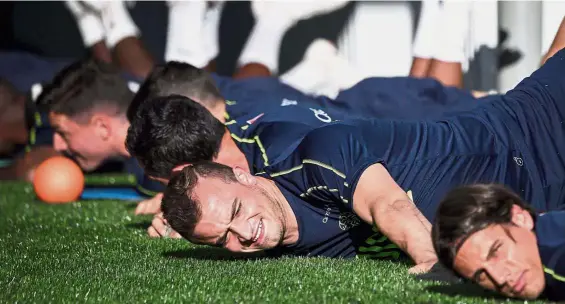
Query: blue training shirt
x: 550, y: 233
x: 262, y: 144
x: 253, y: 96
x: 517, y: 140
x: 402, y: 98
x: 144, y: 184
x: 399, y: 97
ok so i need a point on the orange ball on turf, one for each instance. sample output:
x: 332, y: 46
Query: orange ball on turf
x: 58, y: 180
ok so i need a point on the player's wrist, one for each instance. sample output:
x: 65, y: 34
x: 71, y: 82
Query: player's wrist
x: 424, y: 256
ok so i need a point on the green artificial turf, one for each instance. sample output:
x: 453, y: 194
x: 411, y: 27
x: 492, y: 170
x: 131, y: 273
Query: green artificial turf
x: 97, y: 251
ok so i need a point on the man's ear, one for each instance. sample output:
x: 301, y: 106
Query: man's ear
x: 522, y: 218
x: 102, y: 126
x: 243, y: 176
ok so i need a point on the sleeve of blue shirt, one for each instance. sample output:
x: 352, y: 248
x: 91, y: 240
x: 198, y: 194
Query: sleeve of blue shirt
x: 333, y: 159
x: 144, y: 185
x: 555, y: 275
x: 550, y: 232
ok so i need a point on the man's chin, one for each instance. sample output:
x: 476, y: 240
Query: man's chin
x: 524, y: 295
x: 531, y: 294
x: 88, y: 167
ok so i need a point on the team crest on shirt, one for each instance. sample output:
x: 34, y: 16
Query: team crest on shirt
x: 321, y: 115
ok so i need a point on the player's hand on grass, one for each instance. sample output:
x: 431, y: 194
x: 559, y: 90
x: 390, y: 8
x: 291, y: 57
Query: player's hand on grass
x: 150, y: 206
x: 440, y: 273
x: 160, y: 228
x: 422, y: 267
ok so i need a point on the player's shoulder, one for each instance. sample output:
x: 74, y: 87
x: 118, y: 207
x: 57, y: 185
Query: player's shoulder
x: 551, y: 242
x: 329, y: 138
x: 549, y: 227
x: 335, y: 131
x: 554, y: 269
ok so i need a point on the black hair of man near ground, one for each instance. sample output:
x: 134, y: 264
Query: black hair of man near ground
x: 489, y: 235
x: 337, y: 182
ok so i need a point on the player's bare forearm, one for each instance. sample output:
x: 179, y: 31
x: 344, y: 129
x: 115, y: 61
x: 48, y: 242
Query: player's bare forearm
x: 406, y: 226
x: 380, y: 201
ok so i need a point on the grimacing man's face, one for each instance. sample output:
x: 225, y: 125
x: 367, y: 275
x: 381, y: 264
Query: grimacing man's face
x: 238, y: 216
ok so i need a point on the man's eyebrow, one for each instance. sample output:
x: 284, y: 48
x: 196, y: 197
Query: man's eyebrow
x: 509, y: 234
x: 493, y: 247
x: 476, y: 276
x: 233, y: 209
x: 222, y: 240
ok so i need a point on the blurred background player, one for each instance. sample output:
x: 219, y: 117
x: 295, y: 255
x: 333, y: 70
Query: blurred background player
x: 109, y: 32
x: 192, y: 33
x: 86, y: 105
x: 453, y: 39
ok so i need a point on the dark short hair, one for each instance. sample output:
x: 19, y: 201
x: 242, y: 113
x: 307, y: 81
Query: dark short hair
x: 181, y: 208
x: 177, y: 78
x: 84, y: 85
x: 468, y: 209
x: 170, y: 131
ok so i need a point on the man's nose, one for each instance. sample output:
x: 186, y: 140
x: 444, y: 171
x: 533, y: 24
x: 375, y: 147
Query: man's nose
x: 498, y: 272
x: 59, y: 144
x: 243, y: 231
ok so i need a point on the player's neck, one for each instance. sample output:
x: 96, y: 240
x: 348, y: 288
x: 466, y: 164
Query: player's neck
x: 229, y: 153
x: 120, y: 142
x: 219, y: 112
x: 291, y: 232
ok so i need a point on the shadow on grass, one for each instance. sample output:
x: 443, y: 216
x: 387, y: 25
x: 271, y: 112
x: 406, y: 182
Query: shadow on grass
x: 211, y: 254
x: 470, y: 290
x: 139, y: 226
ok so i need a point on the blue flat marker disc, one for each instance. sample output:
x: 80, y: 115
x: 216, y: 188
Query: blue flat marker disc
x: 128, y: 194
